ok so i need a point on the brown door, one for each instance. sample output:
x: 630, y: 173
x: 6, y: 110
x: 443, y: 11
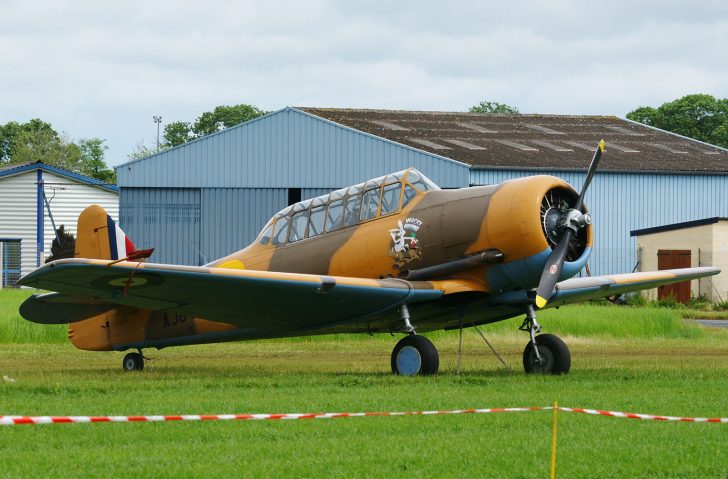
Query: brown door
x: 672, y: 259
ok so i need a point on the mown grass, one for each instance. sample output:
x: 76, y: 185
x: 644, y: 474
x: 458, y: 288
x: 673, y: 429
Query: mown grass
x: 679, y: 376
x: 630, y: 359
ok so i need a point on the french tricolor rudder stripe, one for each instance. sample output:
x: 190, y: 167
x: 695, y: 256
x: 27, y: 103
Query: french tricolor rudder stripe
x: 17, y: 420
x: 119, y: 244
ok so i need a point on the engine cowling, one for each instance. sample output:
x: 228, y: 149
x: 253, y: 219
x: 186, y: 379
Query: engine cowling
x: 522, y: 221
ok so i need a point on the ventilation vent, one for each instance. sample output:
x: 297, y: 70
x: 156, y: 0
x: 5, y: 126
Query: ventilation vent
x: 478, y: 128
x: 465, y: 144
x: 518, y: 146
x: 388, y: 125
x: 430, y: 144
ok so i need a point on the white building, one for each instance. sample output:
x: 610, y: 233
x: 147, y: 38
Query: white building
x: 27, y: 192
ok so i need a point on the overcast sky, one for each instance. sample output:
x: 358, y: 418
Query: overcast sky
x: 103, y: 69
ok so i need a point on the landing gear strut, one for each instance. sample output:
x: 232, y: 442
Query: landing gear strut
x: 133, y: 361
x: 545, y: 353
x: 414, y: 355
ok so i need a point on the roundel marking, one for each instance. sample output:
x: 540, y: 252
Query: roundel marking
x: 123, y: 282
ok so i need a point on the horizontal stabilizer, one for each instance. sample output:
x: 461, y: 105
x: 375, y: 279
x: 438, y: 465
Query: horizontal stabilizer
x: 56, y: 308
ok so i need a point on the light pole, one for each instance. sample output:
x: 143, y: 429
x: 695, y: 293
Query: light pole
x: 157, y: 120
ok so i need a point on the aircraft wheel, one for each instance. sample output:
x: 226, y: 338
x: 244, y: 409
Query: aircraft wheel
x: 133, y: 362
x: 555, y: 356
x: 415, y: 355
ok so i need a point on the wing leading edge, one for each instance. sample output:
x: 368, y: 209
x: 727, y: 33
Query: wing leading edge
x: 582, y: 289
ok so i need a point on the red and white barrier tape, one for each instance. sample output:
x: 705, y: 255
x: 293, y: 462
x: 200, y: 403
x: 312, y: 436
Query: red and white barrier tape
x: 650, y: 417
x: 13, y: 420
x: 16, y: 420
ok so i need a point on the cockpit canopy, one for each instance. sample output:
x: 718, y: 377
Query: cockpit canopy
x: 346, y: 207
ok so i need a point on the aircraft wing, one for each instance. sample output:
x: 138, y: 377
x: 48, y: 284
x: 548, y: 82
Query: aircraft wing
x: 576, y: 290
x: 269, y: 301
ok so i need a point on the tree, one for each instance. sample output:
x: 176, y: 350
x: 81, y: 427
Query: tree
x: 36, y: 140
x: 177, y: 133
x: 180, y: 132
x: 11, y: 133
x: 46, y: 146
x: 66, y: 248
x: 92, y: 160
x: 142, y: 151
x: 224, y: 117
x: 698, y: 116
x: 493, y: 107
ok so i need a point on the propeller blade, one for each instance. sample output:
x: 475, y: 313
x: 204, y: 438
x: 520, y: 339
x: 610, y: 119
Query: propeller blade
x: 589, y: 175
x: 552, y: 270
x: 555, y: 263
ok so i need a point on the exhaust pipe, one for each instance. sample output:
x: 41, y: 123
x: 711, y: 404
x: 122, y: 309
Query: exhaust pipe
x: 489, y: 256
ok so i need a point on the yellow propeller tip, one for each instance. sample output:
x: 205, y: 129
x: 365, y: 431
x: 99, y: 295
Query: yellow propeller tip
x: 540, y: 302
x: 601, y: 145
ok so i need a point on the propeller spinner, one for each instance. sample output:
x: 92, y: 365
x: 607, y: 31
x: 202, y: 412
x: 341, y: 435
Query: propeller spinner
x: 575, y: 219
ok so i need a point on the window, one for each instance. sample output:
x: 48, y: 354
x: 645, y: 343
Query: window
x: 390, y: 198
x: 334, y: 216
x: 420, y: 181
x: 9, y: 263
x: 370, y: 204
x: 266, y: 235
x: 351, y: 215
x: 316, y: 226
x: 409, y: 193
x: 299, y: 221
x: 281, y: 230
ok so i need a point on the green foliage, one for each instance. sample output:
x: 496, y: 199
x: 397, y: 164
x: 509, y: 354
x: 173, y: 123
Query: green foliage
x: 493, y: 107
x: 66, y: 248
x: 180, y: 132
x: 143, y: 151
x: 698, y: 116
x: 36, y: 140
x: 177, y: 133
x: 92, y: 160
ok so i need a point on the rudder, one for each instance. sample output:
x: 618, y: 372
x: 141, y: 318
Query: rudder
x: 99, y: 237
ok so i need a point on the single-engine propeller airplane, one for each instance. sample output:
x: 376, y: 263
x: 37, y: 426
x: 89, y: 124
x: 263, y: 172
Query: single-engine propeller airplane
x: 394, y: 254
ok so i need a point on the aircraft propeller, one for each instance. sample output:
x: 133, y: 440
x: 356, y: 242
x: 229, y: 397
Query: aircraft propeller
x: 575, y: 219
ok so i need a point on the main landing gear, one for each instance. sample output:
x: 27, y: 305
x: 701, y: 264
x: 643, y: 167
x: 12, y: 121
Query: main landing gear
x: 414, y: 355
x: 545, y: 353
x: 133, y: 361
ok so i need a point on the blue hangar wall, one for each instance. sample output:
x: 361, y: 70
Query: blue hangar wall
x: 210, y: 197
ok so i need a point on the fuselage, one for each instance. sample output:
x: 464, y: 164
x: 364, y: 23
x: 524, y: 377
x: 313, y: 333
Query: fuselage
x: 431, y: 228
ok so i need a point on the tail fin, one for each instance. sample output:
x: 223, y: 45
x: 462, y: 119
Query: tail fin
x: 99, y: 237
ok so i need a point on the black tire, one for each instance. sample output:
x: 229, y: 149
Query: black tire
x: 415, y: 355
x: 133, y: 362
x: 554, y: 352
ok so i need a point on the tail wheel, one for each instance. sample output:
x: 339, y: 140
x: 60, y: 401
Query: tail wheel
x: 415, y: 355
x: 555, y: 356
x: 133, y: 362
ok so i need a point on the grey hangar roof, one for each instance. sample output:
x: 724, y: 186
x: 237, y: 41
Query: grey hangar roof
x: 535, y: 141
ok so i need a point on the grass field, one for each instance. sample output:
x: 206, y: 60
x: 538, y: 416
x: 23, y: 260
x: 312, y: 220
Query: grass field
x: 630, y: 359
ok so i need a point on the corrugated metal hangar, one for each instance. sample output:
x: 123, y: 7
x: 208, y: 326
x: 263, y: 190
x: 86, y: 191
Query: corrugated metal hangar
x: 210, y: 197
x: 28, y: 191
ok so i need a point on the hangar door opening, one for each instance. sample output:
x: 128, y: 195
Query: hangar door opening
x: 674, y: 259
x: 166, y: 219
